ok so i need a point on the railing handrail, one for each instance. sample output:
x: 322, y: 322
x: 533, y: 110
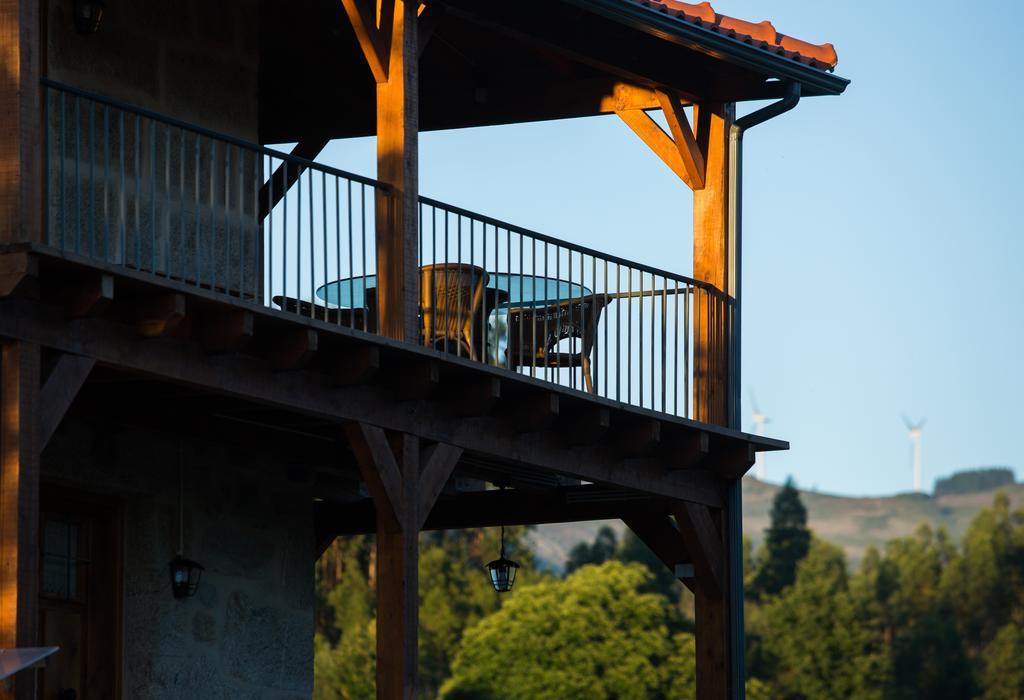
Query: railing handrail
x: 210, y: 133
x: 575, y: 247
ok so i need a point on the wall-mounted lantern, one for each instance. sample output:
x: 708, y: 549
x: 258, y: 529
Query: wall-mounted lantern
x: 88, y: 14
x: 502, y: 570
x: 185, y: 573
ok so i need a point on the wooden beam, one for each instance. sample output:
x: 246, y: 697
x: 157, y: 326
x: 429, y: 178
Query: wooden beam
x: 704, y: 543
x: 368, y: 36
x: 19, y: 502
x: 682, y: 135
x: 285, y: 175
x: 230, y: 330
x: 159, y: 315
x: 482, y: 508
x: 398, y: 168
x: 498, y: 438
x: 475, y: 397
x: 59, y: 392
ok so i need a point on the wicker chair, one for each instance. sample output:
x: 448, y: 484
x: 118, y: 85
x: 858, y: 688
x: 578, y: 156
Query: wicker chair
x: 535, y: 331
x: 450, y: 299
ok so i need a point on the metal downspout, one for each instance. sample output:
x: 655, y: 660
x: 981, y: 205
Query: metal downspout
x: 734, y: 493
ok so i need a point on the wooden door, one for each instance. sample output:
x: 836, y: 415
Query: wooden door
x: 80, y: 596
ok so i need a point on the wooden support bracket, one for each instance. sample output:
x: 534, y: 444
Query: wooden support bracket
x: 704, y: 543
x: 357, y: 365
x: 159, y: 315
x: 662, y: 537
x: 639, y: 437
x: 689, y: 452
x: 685, y: 151
x: 584, y: 425
x: 295, y: 349
x: 534, y: 412
x: 19, y: 275
x: 86, y: 296
x: 59, y: 391
x: 372, y: 38
x: 227, y: 331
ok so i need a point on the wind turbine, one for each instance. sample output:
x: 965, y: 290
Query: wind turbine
x: 915, y: 440
x: 759, y: 420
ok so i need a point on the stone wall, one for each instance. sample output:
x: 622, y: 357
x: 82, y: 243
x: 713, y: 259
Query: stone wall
x: 193, y: 59
x: 249, y: 630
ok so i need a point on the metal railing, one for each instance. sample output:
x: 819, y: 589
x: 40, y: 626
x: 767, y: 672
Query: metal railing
x: 581, y: 318
x: 137, y: 189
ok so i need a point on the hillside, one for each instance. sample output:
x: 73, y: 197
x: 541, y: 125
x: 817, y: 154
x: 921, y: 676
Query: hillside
x: 852, y: 523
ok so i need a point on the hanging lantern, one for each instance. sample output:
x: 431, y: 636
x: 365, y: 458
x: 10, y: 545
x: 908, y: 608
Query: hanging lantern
x: 88, y: 14
x: 185, y: 575
x: 502, y: 570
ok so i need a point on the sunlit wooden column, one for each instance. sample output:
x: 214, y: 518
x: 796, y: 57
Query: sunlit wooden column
x: 711, y: 264
x: 19, y: 503
x: 398, y: 166
x: 20, y: 123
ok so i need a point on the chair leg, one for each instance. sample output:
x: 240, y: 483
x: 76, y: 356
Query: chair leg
x: 585, y: 365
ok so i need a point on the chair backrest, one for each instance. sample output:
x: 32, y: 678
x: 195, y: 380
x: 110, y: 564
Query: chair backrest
x: 533, y: 332
x: 450, y: 294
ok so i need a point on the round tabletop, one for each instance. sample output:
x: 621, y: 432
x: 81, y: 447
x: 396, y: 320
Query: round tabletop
x: 502, y: 289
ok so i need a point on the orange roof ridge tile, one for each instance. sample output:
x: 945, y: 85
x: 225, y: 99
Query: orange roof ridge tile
x: 761, y: 34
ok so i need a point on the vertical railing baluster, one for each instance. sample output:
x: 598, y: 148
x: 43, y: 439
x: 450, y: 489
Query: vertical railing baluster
x: 167, y: 201
x: 106, y: 183
x: 197, y: 198
x: 78, y: 174
x: 63, y: 181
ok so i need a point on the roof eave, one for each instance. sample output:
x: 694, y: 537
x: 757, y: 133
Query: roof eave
x: 813, y: 81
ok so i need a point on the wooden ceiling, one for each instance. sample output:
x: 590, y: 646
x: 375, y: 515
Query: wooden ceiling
x: 487, y: 64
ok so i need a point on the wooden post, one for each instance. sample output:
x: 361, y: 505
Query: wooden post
x: 403, y: 495
x: 711, y: 264
x: 398, y: 166
x: 714, y: 263
x: 20, y: 123
x: 19, y: 503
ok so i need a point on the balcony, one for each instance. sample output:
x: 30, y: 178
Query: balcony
x: 141, y: 192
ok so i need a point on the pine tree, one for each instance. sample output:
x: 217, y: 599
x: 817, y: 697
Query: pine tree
x: 787, y: 542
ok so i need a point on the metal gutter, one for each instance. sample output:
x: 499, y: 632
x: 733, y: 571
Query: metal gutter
x: 645, y: 19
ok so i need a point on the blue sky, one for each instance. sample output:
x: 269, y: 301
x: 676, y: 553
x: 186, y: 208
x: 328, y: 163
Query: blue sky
x: 881, y: 248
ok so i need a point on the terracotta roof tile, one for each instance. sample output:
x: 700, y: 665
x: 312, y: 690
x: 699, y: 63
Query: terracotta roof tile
x: 760, y: 34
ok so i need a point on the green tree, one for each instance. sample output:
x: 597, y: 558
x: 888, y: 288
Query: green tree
x: 599, y: 552
x: 787, y: 541
x: 590, y: 635
x: 1003, y: 671
x: 817, y: 644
